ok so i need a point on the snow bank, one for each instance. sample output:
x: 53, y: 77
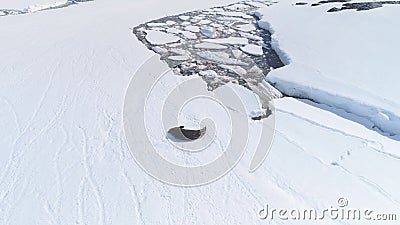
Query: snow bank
x: 346, y: 59
x: 317, y: 87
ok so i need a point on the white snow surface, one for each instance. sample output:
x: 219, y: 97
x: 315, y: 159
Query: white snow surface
x: 346, y: 59
x: 64, y: 158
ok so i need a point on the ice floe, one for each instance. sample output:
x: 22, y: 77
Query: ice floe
x: 160, y: 38
x: 210, y: 46
x: 184, y: 17
x: 209, y: 73
x: 220, y: 57
x: 252, y: 49
x: 193, y: 28
x: 245, y: 27
x: 229, y: 41
x: 209, y: 32
x: 236, y: 69
x: 179, y: 57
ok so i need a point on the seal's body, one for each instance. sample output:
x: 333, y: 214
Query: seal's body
x: 183, y: 134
